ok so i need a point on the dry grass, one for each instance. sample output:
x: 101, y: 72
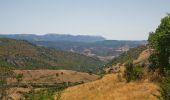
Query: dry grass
x: 47, y: 77
x: 54, y: 76
x: 143, y: 56
x: 110, y: 88
x: 15, y: 93
x: 114, y: 87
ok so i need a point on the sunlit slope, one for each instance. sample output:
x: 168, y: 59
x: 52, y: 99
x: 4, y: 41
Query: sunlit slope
x: 54, y: 76
x: 110, y: 88
x: 114, y: 87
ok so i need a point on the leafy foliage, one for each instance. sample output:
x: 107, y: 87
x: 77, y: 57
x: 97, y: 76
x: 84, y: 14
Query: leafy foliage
x: 19, y: 77
x: 133, y: 72
x: 165, y: 88
x: 160, y: 59
x: 159, y: 41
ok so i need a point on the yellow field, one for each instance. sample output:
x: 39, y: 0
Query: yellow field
x: 111, y: 87
x: 54, y: 76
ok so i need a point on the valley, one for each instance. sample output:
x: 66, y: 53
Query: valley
x: 92, y: 46
x: 84, y: 50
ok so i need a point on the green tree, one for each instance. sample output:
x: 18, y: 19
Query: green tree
x: 19, y: 78
x: 160, y: 42
x: 133, y: 72
x: 164, y: 87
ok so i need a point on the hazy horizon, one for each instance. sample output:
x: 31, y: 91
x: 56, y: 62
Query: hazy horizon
x: 75, y: 35
x: 112, y: 19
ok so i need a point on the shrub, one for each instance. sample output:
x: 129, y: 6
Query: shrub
x: 49, y: 92
x: 159, y: 41
x: 19, y: 77
x: 165, y: 87
x: 133, y: 72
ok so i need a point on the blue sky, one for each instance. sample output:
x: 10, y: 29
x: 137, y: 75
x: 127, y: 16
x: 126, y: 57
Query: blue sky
x: 113, y: 19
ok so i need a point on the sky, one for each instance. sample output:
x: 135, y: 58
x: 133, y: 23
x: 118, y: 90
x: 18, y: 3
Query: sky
x: 112, y: 19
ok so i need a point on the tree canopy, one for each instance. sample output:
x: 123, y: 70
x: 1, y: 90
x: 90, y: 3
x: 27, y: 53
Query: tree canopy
x: 160, y: 42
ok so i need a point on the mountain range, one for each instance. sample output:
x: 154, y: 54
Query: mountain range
x: 92, y: 46
x: 54, y: 37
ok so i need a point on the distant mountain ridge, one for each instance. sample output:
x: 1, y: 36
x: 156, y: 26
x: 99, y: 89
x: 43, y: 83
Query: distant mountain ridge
x: 93, y: 46
x: 54, y: 37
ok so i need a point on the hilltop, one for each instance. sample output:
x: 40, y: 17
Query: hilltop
x: 55, y: 37
x: 21, y: 54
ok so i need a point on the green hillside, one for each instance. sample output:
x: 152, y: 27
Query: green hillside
x: 24, y: 55
x: 132, y: 53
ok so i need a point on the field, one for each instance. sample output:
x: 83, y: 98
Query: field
x: 54, y: 76
x: 39, y: 79
x: 111, y: 87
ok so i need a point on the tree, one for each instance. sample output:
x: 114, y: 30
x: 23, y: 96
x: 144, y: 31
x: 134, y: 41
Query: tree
x: 160, y: 42
x: 133, y: 72
x: 19, y: 78
x: 165, y: 87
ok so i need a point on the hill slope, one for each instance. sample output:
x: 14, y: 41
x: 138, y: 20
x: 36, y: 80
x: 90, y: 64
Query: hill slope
x: 24, y: 55
x: 114, y: 87
x: 109, y: 88
x: 93, y: 46
x: 54, y: 76
x: 131, y: 54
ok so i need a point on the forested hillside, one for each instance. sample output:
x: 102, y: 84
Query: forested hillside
x: 24, y: 55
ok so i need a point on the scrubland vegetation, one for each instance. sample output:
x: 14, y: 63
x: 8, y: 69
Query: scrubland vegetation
x: 133, y: 72
x: 160, y: 58
x: 23, y: 55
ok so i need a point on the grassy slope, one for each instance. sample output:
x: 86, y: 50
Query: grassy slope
x: 114, y: 87
x: 54, y: 76
x: 24, y: 55
x: 109, y: 88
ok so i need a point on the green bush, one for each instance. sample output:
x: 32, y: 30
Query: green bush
x: 159, y: 41
x: 133, y: 72
x: 49, y: 92
x: 165, y: 87
x: 19, y: 77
